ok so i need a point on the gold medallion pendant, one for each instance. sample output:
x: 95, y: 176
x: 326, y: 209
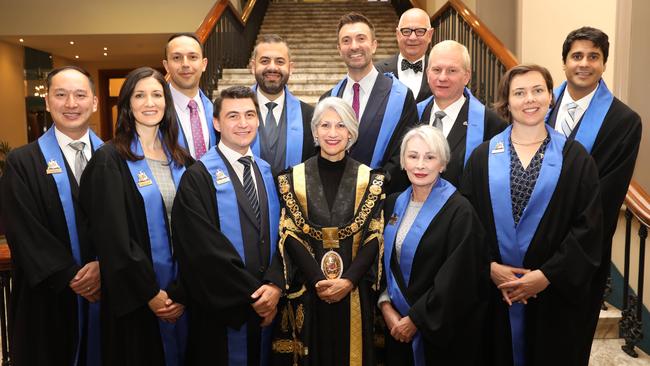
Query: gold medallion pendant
x: 332, y: 265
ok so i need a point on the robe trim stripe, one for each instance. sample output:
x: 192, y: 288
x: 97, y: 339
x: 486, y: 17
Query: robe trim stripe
x: 49, y: 146
x: 513, y: 241
x: 229, y: 222
x: 293, y: 155
x: 594, y: 116
x: 475, y: 122
x: 438, y: 197
x: 164, y: 266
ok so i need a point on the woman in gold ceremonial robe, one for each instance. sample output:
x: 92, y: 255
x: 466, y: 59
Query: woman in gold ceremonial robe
x: 331, y: 244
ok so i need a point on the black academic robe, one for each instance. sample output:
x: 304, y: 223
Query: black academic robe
x: 492, y: 126
x: 218, y: 284
x: 390, y: 65
x: 43, y: 309
x: 447, y: 288
x: 566, y: 247
x: 614, y: 151
x: 324, y: 329
x: 369, y: 127
x: 308, y: 147
x: 117, y: 224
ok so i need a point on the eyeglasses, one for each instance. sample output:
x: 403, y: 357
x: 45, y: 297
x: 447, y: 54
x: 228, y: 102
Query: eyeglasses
x: 419, y: 32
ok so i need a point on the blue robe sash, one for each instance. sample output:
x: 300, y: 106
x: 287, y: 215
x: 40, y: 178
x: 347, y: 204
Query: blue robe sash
x: 439, y: 195
x: 228, y: 209
x: 514, y: 240
x: 52, y: 153
x: 475, y: 122
x: 392, y: 115
x: 293, y: 155
x: 594, y: 116
x: 173, y: 335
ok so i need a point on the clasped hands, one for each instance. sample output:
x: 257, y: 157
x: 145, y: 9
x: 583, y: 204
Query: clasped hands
x: 335, y: 290
x: 165, y: 308
x: 517, y: 289
x: 87, y: 282
x: 401, y: 328
x: 266, y: 302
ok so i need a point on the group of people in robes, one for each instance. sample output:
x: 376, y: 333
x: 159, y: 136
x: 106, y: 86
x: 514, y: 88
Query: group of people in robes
x: 393, y: 242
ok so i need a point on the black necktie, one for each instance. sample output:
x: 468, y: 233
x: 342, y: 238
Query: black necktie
x: 417, y: 66
x: 249, y: 186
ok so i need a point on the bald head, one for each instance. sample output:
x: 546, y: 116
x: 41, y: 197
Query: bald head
x: 450, y: 47
x: 411, y: 46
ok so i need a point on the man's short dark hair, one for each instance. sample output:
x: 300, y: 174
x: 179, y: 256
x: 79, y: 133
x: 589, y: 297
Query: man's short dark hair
x: 596, y: 36
x: 354, y: 17
x: 269, y: 38
x: 234, y: 92
x: 53, y: 73
x: 183, y: 34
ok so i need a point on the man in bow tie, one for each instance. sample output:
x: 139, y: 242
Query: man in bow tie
x: 413, y: 38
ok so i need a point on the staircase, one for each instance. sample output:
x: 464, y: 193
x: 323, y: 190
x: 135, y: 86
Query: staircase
x: 310, y: 32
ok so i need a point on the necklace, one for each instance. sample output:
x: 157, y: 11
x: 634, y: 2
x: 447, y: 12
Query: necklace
x: 526, y: 143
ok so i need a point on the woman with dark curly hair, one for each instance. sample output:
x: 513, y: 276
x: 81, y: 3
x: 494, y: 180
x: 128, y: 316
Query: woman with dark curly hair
x: 127, y: 193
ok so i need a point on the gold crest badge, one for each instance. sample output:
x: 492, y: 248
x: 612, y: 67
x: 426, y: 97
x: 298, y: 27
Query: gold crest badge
x: 221, y: 177
x: 53, y: 167
x: 143, y: 180
x: 498, y: 148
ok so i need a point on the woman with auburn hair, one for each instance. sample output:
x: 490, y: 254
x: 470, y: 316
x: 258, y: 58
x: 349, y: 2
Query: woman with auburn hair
x: 127, y: 194
x: 537, y: 195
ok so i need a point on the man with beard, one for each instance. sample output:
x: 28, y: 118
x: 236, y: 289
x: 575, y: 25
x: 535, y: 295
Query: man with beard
x: 586, y: 111
x: 185, y: 63
x: 383, y: 105
x: 413, y: 38
x: 283, y: 118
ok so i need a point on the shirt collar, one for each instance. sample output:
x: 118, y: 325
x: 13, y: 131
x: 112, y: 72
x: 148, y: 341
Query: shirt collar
x: 367, y: 82
x: 583, y: 103
x: 453, y: 109
x: 181, y: 100
x: 262, y: 100
x: 64, y: 140
x: 231, y: 155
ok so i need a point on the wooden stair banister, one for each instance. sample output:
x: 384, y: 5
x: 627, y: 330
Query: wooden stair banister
x: 637, y: 201
x: 496, y: 46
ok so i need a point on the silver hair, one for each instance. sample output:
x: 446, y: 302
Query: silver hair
x: 431, y: 136
x: 343, y: 109
x: 451, y: 44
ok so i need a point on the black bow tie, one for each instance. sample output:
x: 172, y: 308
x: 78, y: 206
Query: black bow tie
x: 417, y: 66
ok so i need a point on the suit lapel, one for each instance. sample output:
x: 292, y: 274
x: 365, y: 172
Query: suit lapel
x: 426, y: 115
x: 424, y: 85
x: 377, y: 99
x: 553, y: 116
x: 459, y: 129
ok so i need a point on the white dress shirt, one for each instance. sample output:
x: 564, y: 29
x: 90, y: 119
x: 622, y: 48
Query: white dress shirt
x: 264, y: 111
x: 451, y: 112
x: 233, y: 158
x: 183, y: 112
x: 583, y: 104
x: 409, y: 77
x: 68, y: 152
x: 365, y: 88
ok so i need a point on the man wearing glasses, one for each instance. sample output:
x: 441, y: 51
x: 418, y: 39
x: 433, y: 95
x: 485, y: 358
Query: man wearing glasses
x: 413, y: 38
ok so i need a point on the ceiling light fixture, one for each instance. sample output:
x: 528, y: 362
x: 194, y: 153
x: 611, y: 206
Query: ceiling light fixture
x: 105, y: 48
x: 105, y: 53
x: 71, y: 42
x: 21, y: 40
x: 76, y: 56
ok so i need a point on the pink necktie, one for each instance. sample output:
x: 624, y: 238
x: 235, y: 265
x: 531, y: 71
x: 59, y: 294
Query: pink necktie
x: 355, y: 99
x: 197, y: 131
